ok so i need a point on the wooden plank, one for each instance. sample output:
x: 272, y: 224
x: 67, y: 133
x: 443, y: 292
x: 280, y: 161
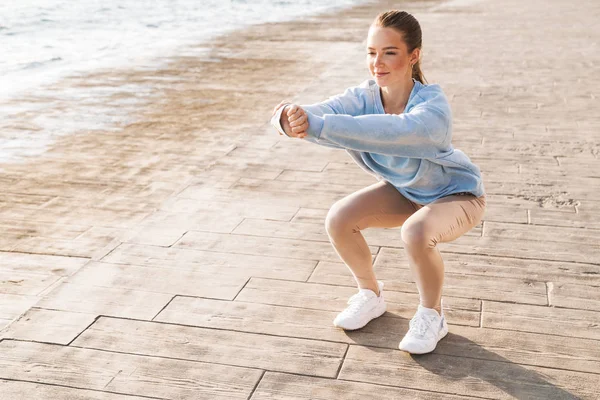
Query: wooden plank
x: 262, y: 211
x: 489, y: 267
x: 515, y: 200
x: 456, y: 284
x: 160, y: 280
x: 24, y: 200
x: 529, y: 249
x: 498, y: 379
x: 550, y: 351
x: 24, y: 283
x: 283, y: 158
x: 73, y: 248
x: 211, y: 262
x: 24, y: 228
x: 298, y: 188
x: 40, y: 263
x: 326, y: 176
x: 235, y: 167
x: 255, y: 198
x: 124, y: 373
x: 543, y: 320
x: 557, y: 234
x: 279, y: 386
x: 582, y: 220
x: 243, y: 244
x: 584, y: 297
x: 127, y: 303
x: 74, y: 216
x: 333, y: 298
x: 210, y: 345
x: 211, y: 221
x: 48, y: 326
x: 18, y: 390
x: 13, y: 305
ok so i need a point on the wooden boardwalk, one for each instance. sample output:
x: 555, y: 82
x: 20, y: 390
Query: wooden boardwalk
x: 185, y: 256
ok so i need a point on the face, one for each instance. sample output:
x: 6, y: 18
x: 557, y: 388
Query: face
x: 387, y: 56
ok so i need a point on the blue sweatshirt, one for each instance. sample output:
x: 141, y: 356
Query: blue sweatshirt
x: 412, y: 150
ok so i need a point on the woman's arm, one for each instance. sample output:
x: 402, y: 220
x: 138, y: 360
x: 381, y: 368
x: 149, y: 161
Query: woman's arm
x: 421, y: 133
x: 349, y: 103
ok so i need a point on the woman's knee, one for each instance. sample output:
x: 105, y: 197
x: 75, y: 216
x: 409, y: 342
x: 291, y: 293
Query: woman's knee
x: 338, y: 219
x: 418, y: 235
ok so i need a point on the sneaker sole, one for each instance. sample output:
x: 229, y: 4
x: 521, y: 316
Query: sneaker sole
x: 378, y: 313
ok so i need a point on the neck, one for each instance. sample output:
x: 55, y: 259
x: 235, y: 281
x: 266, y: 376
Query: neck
x: 395, y: 97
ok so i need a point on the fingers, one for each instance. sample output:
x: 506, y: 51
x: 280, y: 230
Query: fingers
x: 294, y: 112
x: 297, y: 121
x: 300, y: 128
x: 278, y: 106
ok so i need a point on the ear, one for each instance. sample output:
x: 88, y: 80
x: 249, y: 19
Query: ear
x: 415, y: 56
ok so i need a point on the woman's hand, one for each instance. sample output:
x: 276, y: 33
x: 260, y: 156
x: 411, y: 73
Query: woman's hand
x: 294, y: 120
x: 297, y: 119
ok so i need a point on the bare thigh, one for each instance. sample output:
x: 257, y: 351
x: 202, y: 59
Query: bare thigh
x: 379, y: 205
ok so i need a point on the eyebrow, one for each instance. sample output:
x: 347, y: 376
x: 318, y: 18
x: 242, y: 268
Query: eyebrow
x: 385, y: 48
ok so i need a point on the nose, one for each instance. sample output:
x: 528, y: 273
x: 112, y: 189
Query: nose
x: 377, y: 61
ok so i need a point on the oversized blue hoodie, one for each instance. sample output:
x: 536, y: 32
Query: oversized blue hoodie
x: 412, y: 150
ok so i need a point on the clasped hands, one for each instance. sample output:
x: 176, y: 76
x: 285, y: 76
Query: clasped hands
x: 294, y: 120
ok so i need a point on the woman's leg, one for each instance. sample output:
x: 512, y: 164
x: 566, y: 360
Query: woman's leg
x: 443, y: 220
x: 379, y: 205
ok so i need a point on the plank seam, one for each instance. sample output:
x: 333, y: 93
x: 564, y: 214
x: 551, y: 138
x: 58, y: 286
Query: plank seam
x: 162, y: 309
x: 44, y: 254
x: 312, y: 272
x: 240, y: 291
x: 85, y: 329
x: 337, y: 374
x: 256, y: 385
x: 481, y: 315
x: 82, y: 388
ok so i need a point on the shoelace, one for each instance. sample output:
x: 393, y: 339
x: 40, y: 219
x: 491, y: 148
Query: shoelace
x: 353, y: 297
x: 420, y: 324
x: 356, y: 301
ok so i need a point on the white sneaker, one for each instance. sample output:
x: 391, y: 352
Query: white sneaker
x: 363, y: 307
x: 427, y: 328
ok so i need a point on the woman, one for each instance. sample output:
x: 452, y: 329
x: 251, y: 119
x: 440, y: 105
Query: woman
x: 399, y: 129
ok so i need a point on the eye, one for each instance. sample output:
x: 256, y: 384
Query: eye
x: 391, y: 53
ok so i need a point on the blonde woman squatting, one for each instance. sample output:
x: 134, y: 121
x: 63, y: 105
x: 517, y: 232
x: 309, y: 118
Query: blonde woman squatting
x: 399, y: 129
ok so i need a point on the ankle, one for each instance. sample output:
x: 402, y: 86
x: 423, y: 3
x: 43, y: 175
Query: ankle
x: 437, y: 308
x: 373, y: 289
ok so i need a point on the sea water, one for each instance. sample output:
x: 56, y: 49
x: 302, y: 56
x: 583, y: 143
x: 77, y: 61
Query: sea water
x: 45, y: 41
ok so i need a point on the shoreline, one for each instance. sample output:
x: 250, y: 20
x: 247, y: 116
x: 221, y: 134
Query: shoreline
x: 84, y: 194
x: 115, y: 93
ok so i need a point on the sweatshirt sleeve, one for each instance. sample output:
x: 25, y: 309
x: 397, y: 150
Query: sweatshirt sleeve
x: 349, y: 103
x: 420, y: 133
